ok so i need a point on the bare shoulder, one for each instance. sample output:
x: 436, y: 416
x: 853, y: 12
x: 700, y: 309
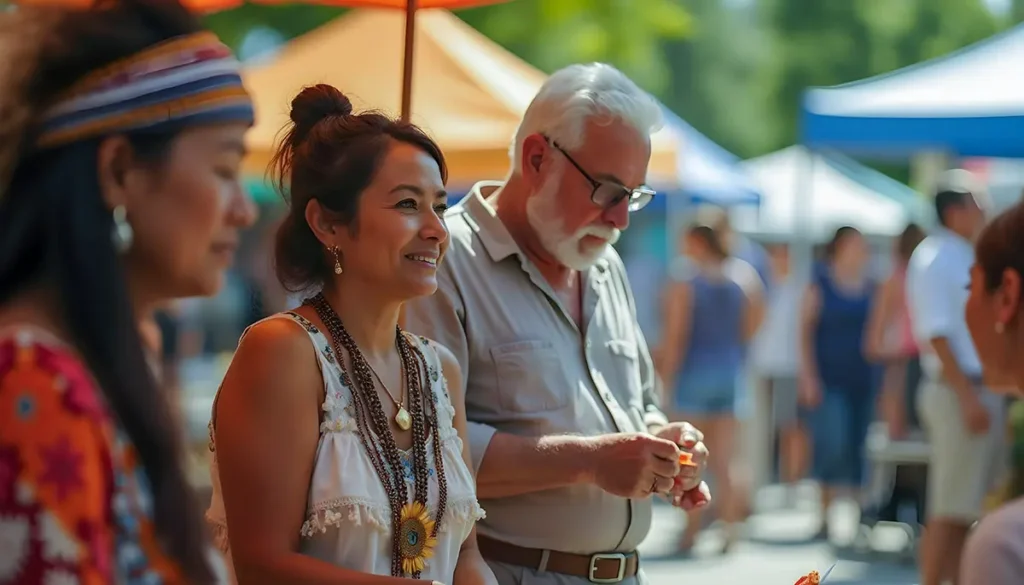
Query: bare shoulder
x: 275, y: 362
x: 280, y: 339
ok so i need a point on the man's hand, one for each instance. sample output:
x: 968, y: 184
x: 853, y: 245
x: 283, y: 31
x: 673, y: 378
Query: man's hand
x: 809, y: 390
x: 634, y: 465
x: 688, y: 491
x: 689, y: 440
x: 976, y: 419
x: 697, y: 497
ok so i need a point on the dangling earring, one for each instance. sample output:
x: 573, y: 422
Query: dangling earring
x: 337, y: 260
x: 122, y: 235
x: 1000, y: 327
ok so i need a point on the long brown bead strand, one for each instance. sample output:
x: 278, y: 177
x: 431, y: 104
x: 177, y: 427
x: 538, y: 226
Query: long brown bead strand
x: 380, y: 443
x: 418, y: 364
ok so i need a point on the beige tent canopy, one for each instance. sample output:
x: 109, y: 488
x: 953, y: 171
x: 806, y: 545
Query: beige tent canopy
x: 468, y: 92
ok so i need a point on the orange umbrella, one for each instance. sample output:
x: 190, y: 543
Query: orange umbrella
x: 410, y: 7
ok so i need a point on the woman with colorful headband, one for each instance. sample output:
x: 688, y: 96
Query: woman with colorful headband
x: 121, y: 134
x: 994, y: 554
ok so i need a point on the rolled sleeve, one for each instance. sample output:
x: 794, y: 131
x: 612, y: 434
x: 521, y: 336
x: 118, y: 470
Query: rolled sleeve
x: 480, y: 435
x: 441, y: 317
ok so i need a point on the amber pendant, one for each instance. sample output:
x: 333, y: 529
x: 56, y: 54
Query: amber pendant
x: 402, y: 419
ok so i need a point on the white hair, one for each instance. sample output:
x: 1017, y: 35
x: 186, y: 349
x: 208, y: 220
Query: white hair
x: 579, y: 93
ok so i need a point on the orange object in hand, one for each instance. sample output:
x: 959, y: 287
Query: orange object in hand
x: 686, y: 459
x: 811, y: 578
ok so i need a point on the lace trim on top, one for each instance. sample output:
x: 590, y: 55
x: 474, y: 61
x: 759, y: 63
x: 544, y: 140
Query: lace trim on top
x: 340, y: 418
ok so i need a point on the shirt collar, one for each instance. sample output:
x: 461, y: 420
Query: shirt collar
x: 483, y: 219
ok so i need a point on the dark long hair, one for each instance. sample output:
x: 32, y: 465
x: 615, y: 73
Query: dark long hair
x: 55, y: 232
x: 908, y: 240
x: 832, y: 247
x: 1000, y: 246
x: 709, y: 237
x: 331, y: 155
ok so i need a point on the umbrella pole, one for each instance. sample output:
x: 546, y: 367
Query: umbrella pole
x: 410, y: 45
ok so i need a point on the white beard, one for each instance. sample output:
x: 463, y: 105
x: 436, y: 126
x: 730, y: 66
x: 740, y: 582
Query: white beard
x: 545, y: 217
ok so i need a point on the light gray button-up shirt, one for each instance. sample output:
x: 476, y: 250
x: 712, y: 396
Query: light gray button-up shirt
x: 529, y: 371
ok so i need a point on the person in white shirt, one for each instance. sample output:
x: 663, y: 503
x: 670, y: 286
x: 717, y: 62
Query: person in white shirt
x: 774, y: 359
x: 962, y: 418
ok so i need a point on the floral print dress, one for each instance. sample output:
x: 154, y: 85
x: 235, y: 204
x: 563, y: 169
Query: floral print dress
x: 75, y: 506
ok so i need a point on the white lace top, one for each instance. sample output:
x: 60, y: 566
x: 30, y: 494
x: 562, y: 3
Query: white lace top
x: 348, y: 519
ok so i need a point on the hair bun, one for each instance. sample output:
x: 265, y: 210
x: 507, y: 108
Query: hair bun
x: 317, y: 102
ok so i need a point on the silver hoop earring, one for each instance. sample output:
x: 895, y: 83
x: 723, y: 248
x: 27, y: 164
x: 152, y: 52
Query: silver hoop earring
x: 122, y: 234
x: 337, y: 260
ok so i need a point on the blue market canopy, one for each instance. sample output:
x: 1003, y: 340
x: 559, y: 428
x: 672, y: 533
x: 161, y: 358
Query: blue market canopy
x: 968, y: 103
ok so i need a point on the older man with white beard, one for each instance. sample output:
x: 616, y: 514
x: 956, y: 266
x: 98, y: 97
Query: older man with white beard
x: 567, y: 438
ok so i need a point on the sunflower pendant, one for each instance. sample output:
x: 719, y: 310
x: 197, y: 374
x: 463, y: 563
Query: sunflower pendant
x: 416, y: 537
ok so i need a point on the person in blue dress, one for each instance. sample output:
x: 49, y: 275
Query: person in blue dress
x: 837, y: 382
x: 708, y: 321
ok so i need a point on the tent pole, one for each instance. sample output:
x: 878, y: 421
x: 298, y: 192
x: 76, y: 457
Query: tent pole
x: 410, y: 45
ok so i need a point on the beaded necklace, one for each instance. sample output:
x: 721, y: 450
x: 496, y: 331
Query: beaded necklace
x: 414, y: 534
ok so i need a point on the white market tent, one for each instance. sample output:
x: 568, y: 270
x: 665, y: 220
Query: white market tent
x: 968, y: 103
x: 837, y: 192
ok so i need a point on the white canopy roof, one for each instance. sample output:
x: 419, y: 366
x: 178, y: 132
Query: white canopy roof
x: 833, y: 196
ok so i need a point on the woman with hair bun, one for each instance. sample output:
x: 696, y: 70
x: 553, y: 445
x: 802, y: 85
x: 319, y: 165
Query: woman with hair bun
x: 994, y: 554
x: 338, y: 437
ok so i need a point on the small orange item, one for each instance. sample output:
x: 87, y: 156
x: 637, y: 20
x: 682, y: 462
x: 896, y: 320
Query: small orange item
x: 812, y: 578
x: 686, y: 459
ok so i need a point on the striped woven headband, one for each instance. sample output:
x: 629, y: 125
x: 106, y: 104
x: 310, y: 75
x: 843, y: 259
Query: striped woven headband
x: 189, y: 79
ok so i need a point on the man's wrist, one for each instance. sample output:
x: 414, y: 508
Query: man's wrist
x: 578, y: 455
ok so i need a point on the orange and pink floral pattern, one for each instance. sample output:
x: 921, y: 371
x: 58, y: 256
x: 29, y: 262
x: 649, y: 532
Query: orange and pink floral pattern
x: 74, y: 506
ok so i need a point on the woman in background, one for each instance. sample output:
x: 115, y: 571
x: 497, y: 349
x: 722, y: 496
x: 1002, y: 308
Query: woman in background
x: 891, y: 340
x: 708, y: 322
x: 836, y: 381
x: 124, y: 132
x: 774, y: 357
x: 994, y: 554
x: 891, y: 344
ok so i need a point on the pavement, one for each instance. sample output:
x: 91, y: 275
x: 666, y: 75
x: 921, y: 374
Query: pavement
x: 778, y: 549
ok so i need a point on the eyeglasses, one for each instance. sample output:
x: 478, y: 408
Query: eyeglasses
x: 608, y: 194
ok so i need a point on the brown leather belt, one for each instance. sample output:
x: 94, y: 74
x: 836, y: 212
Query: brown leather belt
x: 597, y: 568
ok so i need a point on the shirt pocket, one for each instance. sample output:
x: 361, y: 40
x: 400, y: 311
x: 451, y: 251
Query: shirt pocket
x: 623, y: 374
x: 529, y: 377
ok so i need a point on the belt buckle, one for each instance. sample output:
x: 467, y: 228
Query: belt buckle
x: 607, y: 557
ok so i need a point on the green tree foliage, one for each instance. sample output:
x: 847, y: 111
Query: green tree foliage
x: 551, y: 34
x: 826, y: 42
x: 290, y: 20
